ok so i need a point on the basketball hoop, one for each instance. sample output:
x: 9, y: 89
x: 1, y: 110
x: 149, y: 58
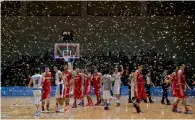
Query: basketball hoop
x: 66, y: 58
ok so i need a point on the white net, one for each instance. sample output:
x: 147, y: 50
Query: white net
x: 66, y: 58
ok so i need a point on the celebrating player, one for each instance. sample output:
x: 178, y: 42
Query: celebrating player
x: 68, y: 76
x: 139, y: 90
x: 88, y: 87
x: 96, y: 78
x: 46, y: 85
x: 180, y: 91
x: 78, y: 88
x: 60, y: 82
x: 37, y: 87
x: 117, y: 84
x: 106, y: 80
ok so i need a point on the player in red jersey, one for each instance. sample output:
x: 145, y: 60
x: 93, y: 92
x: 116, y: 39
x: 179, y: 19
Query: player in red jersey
x: 139, y: 90
x: 180, y: 91
x: 67, y: 74
x: 46, y: 87
x: 78, y: 88
x: 88, y: 87
x: 96, y: 78
x: 174, y: 83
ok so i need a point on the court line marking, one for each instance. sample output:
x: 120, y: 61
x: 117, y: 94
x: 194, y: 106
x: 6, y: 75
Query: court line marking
x: 21, y: 105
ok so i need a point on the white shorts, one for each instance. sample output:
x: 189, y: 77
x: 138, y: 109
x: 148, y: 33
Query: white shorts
x: 117, y: 89
x: 59, y: 91
x: 106, y: 94
x: 37, y: 96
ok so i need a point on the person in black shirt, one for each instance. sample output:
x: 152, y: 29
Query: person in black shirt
x: 165, y: 86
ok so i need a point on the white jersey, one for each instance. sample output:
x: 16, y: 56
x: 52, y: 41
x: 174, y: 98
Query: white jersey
x: 59, y: 81
x: 117, y: 78
x: 37, y: 81
x: 148, y: 80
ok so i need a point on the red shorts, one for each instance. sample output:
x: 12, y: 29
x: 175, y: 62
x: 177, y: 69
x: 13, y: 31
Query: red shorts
x: 78, y: 94
x: 141, y: 94
x: 173, y: 91
x: 88, y: 90
x: 179, y: 95
x: 97, y: 90
x: 46, y: 93
x: 66, y: 92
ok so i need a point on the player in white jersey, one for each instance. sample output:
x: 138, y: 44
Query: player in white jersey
x: 117, y: 83
x: 59, y: 81
x: 37, y: 88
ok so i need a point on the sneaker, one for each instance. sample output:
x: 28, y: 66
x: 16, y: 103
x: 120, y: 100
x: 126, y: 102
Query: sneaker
x: 169, y: 103
x: 43, y: 111
x: 137, y: 108
x: 188, y: 112
x: 130, y: 101
x: 80, y: 103
x: 89, y: 104
x: 37, y: 114
x: 106, y: 108
x: 118, y: 104
x: 176, y: 110
x: 61, y: 110
x: 47, y: 110
x: 98, y: 103
x: 162, y: 102
x: 74, y: 106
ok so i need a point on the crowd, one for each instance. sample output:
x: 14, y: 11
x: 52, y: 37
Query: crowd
x: 18, y: 73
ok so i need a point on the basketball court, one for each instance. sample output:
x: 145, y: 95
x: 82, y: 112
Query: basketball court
x: 23, y: 108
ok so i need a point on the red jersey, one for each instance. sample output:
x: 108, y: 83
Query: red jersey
x: 97, y: 79
x: 68, y: 77
x: 140, y: 80
x: 141, y: 93
x: 87, y: 80
x: 78, y: 86
x: 48, y: 78
x: 183, y: 80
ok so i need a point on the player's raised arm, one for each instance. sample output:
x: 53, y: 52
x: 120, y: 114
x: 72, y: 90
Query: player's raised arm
x: 43, y: 77
x: 122, y: 70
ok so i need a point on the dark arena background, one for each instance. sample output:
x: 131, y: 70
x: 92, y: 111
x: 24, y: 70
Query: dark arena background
x: 159, y: 35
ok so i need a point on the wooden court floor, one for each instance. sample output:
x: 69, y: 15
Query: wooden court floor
x: 23, y: 108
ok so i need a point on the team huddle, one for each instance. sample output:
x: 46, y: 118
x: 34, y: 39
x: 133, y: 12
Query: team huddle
x: 78, y: 83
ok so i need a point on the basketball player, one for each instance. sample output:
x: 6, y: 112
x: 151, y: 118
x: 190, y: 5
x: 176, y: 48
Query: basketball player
x: 139, y: 90
x: 148, y: 85
x: 96, y: 78
x: 106, y: 80
x: 78, y: 88
x: 174, y: 83
x: 60, y: 84
x: 180, y: 91
x: 131, y: 87
x: 46, y: 85
x: 117, y: 83
x: 83, y: 75
x: 165, y: 80
x: 68, y: 76
x: 37, y: 88
x: 88, y: 87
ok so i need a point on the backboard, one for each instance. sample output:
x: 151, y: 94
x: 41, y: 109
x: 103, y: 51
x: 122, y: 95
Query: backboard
x: 66, y: 49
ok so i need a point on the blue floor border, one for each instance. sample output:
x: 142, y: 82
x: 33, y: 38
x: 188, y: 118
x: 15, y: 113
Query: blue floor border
x: 25, y: 91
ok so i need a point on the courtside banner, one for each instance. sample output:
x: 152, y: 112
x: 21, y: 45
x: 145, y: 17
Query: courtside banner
x: 24, y: 91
